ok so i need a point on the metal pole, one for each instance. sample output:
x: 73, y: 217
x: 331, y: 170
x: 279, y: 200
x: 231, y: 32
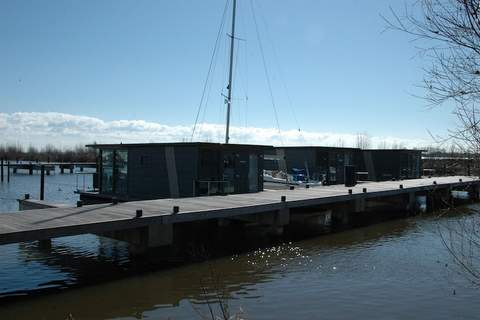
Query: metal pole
x: 42, y: 182
x: 230, y: 75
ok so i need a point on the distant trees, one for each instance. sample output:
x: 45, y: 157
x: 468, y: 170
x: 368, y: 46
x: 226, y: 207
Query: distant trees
x: 49, y: 152
x: 363, y: 141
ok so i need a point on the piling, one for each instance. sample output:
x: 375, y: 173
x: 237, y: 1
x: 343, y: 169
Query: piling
x: 1, y: 170
x: 8, y: 171
x: 42, y: 182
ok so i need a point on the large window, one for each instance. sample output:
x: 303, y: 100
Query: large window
x: 114, y: 171
x: 107, y: 171
x: 121, y: 171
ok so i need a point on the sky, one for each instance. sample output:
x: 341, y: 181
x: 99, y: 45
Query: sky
x: 134, y: 71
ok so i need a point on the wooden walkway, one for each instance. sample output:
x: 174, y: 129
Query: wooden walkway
x: 56, y: 222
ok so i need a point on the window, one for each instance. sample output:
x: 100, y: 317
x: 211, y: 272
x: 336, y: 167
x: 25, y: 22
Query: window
x: 114, y: 171
x: 121, y: 171
x: 107, y: 171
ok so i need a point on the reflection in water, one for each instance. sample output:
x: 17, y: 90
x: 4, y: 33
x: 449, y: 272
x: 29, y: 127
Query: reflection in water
x: 394, y: 269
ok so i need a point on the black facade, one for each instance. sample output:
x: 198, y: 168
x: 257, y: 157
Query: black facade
x: 329, y: 164
x: 172, y: 170
x: 326, y: 164
x: 388, y: 164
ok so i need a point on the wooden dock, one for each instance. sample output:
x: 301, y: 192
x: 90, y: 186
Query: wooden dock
x: 56, y: 222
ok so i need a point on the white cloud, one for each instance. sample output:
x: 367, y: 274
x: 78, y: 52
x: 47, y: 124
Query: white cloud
x: 40, y: 128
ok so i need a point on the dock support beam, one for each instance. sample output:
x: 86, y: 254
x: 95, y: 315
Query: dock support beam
x: 272, y: 222
x: 359, y: 205
x: 45, y: 244
x: 341, y: 212
x: 412, y: 202
x: 42, y: 182
x: 281, y: 218
x: 473, y: 192
x: 140, y: 239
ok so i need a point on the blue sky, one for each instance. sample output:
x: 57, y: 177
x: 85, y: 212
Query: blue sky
x: 147, y: 61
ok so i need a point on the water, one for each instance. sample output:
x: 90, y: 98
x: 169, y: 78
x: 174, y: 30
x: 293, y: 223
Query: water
x: 396, y: 270
x: 59, y: 188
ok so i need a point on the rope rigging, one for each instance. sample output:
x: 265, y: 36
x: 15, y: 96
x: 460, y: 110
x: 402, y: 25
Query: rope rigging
x: 210, y: 68
x: 281, y: 73
x: 239, y: 74
x: 265, y: 69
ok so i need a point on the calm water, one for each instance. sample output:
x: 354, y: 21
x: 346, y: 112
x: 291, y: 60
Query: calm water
x: 394, y: 270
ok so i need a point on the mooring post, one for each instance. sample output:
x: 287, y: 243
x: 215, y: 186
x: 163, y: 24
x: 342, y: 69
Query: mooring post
x: 8, y: 171
x: 1, y: 170
x: 42, y: 182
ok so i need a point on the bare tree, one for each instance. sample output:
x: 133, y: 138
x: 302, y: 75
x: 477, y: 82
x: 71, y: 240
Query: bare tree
x: 363, y: 141
x: 340, y: 143
x: 382, y: 145
x: 447, y: 33
x: 461, y: 238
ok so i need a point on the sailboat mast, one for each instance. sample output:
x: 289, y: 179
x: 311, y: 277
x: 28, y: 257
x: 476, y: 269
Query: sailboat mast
x: 230, y: 75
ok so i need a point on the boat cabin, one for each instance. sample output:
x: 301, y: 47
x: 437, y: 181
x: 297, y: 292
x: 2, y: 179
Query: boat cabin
x: 173, y: 170
x: 388, y: 164
x: 312, y: 163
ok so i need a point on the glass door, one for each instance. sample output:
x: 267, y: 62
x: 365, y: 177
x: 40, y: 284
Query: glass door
x: 121, y: 171
x: 114, y: 171
x: 107, y: 171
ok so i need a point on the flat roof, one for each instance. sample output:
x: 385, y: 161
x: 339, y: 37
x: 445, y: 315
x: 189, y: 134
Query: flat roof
x: 163, y: 144
x: 317, y: 147
x: 409, y: 150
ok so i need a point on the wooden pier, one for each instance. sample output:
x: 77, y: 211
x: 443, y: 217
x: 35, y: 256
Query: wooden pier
x: 30, y: 167
x: 158, y: 216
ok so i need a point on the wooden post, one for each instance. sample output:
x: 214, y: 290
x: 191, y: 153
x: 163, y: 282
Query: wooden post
x: 42, y: 182
x: 1, y: 170
x: 8, y: 171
